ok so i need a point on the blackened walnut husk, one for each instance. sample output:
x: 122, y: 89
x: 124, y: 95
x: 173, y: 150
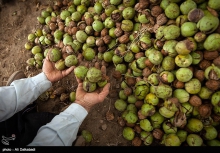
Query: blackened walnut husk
x: 195, y: 15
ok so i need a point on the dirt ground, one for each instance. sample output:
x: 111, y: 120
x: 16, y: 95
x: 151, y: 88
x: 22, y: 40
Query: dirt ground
x: 18, y: 18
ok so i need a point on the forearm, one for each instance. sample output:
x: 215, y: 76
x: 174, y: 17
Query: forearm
x: 20, y: 93
x: 62, y: 130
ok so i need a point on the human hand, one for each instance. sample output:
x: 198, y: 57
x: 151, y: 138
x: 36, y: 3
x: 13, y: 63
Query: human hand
x: 88, y: 100
x: 52, y: 73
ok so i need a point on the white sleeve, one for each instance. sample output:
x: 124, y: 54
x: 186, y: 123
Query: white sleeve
x: 63, y: 128
x: 20, y: 93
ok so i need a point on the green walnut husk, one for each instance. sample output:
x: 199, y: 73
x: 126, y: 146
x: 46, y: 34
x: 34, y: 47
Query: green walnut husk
x: 194, y: 140
x: 71, y: 60
x: 120, y: 105
x: 80, y: 72
x: 89, y: 86
x: 184, y: 74
x: 215, y: 98
x: 193, y: 86
x: 55, y: 55
x: 131, y: 117
x: 128, y: 133
x: 87, y: 135
x: 182, y: 134
x: 72, y: 96
x: 94, y: 75
x: 209, y: 132
x: 163, y: 91
x: 172, y: 140
x: 146, y: 137
x: 145, y: 124
x: 212, y: 42
x: 147, y: 109
x: 60, y: 65
x: 208, y: 23
x: 168, y: 128
x: 194, y: 125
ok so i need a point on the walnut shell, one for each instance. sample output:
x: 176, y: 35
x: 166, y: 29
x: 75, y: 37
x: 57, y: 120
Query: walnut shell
x: 139, y: 55
x: 137, y: 128
x: 131, y: 81
x: 124, y: 39
x: 64, y: 97
x: 117, y: 74
x: 104, y: 32
x: 158, y: 134
x: 210, y: 55
x: 216, y: 61
x: 143, y: 4
x: 107, y: 39
x: 216, y: 118
x: 81, y: 25
x: 109, y: 116
x: 195, y: 100
x: 59, y: 90
x: 102, y: 49
x: 178, y: 84
x: 205, y: 110
x: 118, y: 32
x: 161, y: 19
x: 213, y: 84
x: 99, y: 42
x: 146, y: 72
x: 199, y: 74
x: 149, y: 64
x: 103, y: 16
x: 121, y: 121
x: 204, y: 64
x: 138, y: 104
x: 89, y: 21
x: 156, y: 10
x: 128, y: 91
x: 136, y: 141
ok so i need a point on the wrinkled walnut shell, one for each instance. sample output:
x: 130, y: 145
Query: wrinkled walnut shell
x: 156, y: 10
x: 199, y: 74
x: 210, y: 55
x: 136, y: 141
x: 213, y: 84
x: 205, y: 110
x: 195, y: 100
x: 204, y: 64
x: 158, y: 134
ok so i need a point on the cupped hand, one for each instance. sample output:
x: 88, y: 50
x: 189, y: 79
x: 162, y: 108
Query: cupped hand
x: 88, y: 100
x: 52, y: 73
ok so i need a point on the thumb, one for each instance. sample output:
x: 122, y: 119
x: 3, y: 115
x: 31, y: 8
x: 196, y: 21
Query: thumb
x: 104, y: 92
x: 68, y: 71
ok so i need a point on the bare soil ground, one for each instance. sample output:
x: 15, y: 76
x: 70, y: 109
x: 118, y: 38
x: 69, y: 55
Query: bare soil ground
x: 18, y: 18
